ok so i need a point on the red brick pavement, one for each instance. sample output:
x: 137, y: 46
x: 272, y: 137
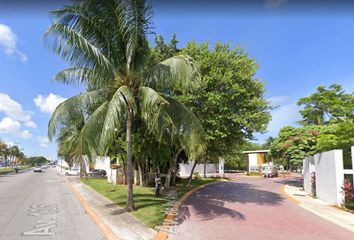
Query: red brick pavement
x: 251, y: 208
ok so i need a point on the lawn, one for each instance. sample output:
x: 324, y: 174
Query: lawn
x: 10, y: 169
x: 149, y: 209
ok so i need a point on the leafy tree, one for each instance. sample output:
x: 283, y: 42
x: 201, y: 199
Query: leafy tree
x: 37, y: 160
x: 327, y: 106
x: 294, y: 144
x: 106, y: 44
x: 230, y: 103
x: 337, y: 136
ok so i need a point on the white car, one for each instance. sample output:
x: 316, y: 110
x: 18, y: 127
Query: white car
x: 37, y: 169
x: 71, y: 172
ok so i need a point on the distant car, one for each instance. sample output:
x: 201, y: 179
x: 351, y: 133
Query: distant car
x: 97, y: 173
x: 72, y: 172
x: 269, y: 171
x: 37, y: 169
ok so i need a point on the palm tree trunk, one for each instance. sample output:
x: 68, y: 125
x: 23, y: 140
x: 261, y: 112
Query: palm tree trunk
x: 130, y: 201
x: 171, y: 168
x: 205, y: 164
x: 191, y: 175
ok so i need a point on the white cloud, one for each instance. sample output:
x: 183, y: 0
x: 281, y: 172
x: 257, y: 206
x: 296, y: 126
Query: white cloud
x: 284, y: 116
x: 8, y: 125
x: 26, y: 134
x: 8, y: 42
x: 48, y: 103
x: 43, y: 141
x: 13, y: 109
x: 278, y: 100
x: 30, y: 124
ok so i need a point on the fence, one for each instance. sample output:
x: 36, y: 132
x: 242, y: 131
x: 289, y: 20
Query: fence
x: 329, y: 175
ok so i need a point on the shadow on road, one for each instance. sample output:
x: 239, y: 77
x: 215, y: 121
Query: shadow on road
x: 295, y: 182
x: 210, y: 201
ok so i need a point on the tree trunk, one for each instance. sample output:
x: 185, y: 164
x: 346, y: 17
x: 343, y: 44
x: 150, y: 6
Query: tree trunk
x: 140, y: 169
x: 205, y: 164
x: 168, y: 177
x: 171, y: 169
x: 191, y: 175
x: 130, y: 201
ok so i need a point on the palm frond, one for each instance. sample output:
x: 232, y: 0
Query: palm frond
x: 73, y: 47
x: 179, y: 73
x: 137, y: 18
x: 121, y: 102
x: 93, y: 128
x: 72, y: 108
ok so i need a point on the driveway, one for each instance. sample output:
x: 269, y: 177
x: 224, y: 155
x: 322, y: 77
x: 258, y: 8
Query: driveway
x: 251, y: 208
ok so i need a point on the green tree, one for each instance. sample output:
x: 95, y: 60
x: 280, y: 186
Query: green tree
x: 230, y: 102
x: 337, y: 136
x: 293, y: 144
x: 106, y: 44
x: 37, y: 160
x: 327, y: 106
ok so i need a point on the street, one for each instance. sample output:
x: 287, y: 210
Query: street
x: 41, y: 206
x: 251, y: 208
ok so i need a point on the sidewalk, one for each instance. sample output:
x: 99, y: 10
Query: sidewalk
x: 320, y: 208
x: 117, y: 223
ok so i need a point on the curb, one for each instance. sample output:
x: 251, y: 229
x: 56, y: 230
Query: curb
x: 105, y: 229
x: 162, y: 235
x: 348, y: 227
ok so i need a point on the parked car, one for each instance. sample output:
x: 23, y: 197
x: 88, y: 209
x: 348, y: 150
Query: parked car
x: 269, y: 171
x: 98, y: 173
x: 72, y: 172
x: 37, y: 169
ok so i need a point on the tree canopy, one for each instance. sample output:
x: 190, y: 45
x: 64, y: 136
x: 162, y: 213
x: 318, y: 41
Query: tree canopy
x: 328, y: 116
x: 327, y: 106
x: 230, y: 102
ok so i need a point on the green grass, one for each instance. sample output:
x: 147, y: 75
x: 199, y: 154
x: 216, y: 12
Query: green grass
x: 148, y: 208
x: 10, y: 169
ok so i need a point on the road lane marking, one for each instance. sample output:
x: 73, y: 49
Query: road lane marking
x: 42, y: 226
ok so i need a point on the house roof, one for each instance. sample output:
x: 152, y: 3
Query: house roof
x: 257, y: 151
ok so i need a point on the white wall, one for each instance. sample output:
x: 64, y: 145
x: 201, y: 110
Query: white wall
x: 104, y: 163
x: 329, y: 176
x: 185, y: 169
x: 308, y: 167
x: 252, y: 160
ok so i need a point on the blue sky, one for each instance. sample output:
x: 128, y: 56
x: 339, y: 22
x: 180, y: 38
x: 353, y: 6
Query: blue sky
x: 296, y: 50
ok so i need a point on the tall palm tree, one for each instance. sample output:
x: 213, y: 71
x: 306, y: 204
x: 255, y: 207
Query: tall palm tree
x: 106, y: 44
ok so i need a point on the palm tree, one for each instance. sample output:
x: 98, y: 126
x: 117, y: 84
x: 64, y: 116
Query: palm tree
x: 106, y: 44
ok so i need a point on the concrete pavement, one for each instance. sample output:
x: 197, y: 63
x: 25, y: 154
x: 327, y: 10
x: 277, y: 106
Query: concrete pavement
x: 120, y: 223
x: 251, y: 208
x: 36, y: 206
x: 321, y: 208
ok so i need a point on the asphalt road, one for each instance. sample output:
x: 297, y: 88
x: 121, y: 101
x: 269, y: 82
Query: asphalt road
x: 251, y: 208
x: 35, y: 206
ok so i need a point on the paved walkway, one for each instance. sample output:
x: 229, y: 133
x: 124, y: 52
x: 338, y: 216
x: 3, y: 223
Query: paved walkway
x: 122, y: 224
x: 321, y: 208
x: 251, y: 208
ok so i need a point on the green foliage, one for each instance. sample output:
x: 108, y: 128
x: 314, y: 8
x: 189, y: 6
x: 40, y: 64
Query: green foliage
x: 326, y: 106
x: 106, y: 45
x: 294, y: 144
x: 230, y: 102
x: 37, y: 160
x: 329, y: 116
x: 235, y: 159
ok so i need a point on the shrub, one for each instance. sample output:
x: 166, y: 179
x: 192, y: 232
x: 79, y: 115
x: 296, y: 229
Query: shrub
x: 313, y: 183
x: 196, y: 175
x: 348, y: 194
